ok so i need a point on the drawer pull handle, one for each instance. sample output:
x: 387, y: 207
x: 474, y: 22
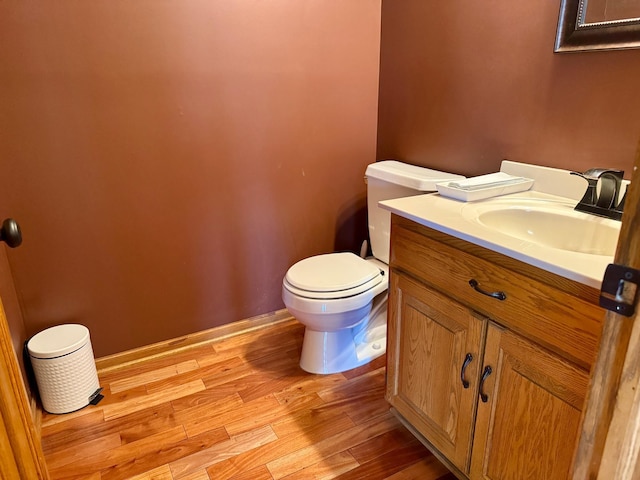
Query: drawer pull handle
x: 483, y: 396
x: 476, y: 286
x: 467, y: 361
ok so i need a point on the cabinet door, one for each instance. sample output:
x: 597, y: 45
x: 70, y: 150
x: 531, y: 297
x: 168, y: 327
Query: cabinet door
x: 528, y: 426
x: 429, y: 337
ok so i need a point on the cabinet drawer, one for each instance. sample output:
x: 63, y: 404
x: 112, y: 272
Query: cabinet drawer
x: 557, y: 320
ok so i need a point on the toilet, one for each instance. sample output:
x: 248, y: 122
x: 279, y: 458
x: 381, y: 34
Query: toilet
x: 341, y: 298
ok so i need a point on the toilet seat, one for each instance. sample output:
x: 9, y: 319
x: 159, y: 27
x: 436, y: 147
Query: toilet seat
x: 361, y: 281
x: 332, y: 276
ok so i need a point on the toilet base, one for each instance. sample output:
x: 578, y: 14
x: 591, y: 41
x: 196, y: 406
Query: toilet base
x: 342, y: 350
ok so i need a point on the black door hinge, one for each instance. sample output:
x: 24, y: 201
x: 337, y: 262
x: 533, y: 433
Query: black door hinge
x: 619, y: 291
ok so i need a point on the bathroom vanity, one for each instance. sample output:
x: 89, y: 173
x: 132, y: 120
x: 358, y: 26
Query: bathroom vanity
x: 490, y: 341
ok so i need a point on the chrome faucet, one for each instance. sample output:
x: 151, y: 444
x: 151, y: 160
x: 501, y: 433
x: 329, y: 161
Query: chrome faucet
x: 602, y: 201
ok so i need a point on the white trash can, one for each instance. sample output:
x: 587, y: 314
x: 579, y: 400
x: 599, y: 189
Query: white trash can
x: 65, y: 370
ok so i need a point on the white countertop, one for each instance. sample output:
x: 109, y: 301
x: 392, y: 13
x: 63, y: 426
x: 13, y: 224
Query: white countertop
x: 459, y: 219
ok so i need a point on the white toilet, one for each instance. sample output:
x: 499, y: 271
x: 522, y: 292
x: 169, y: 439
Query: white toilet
x: 341, y: 298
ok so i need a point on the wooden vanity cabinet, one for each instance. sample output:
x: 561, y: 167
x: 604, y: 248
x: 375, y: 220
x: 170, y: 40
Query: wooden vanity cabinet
x: 436, y: 345
x: 526, y: 380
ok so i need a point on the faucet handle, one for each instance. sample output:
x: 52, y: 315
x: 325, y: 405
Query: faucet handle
x: 609, y: 189
x: 593, y: 174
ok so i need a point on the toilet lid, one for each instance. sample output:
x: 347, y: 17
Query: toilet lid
x: 333, y: 272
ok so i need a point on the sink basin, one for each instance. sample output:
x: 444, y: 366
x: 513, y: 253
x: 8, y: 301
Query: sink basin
x: 551, y: 225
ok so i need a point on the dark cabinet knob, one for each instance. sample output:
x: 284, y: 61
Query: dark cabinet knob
x: 10, y: 233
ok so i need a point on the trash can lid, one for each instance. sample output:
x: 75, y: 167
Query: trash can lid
x: 58, y: 341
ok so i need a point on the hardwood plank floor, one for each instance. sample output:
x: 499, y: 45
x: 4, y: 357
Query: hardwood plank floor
x: 235, y: 409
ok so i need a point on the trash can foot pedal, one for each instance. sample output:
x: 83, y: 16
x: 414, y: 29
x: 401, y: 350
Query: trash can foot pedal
x: 95, y: 398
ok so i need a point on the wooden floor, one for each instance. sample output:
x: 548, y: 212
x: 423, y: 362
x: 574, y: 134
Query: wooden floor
x: 240, y: 408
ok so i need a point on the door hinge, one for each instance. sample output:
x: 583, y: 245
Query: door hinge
x: 619, y: 291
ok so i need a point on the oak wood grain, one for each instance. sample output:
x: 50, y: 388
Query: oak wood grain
x: 562, y: 322
x: 543, y: 339
x: 529, y: 425
x: 21, y: 454
x: 429, y: 337
x: 236, y: 408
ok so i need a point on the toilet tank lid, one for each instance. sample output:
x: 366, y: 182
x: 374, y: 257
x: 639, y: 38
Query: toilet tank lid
x: 419, y: 178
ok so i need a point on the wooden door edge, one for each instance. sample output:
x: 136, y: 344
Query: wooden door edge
x: 606, y: 448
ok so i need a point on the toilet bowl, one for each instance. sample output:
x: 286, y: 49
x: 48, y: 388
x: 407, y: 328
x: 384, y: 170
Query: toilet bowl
x: 341, y: 298
x: 337, y: 308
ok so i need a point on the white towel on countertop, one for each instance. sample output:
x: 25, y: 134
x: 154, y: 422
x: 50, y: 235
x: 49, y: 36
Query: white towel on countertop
x: 486, y: 181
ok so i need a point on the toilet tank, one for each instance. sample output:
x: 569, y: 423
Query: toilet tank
x: 392, y: 179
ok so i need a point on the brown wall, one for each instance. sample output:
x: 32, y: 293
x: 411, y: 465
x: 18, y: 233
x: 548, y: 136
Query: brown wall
x: 168, y: 161
x: 464, y: 85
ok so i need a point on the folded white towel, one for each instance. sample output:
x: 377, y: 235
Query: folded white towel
x: 486, y: 181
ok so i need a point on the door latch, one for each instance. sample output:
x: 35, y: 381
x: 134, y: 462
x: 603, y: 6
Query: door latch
x: 619, y: 291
